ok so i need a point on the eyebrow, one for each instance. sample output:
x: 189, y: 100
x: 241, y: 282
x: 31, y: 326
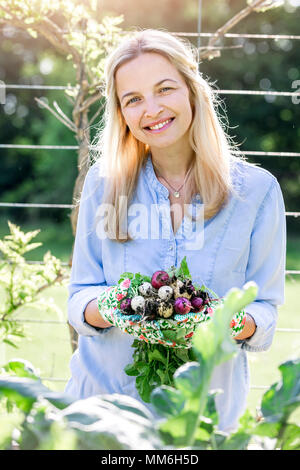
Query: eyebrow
x: 156, y: 84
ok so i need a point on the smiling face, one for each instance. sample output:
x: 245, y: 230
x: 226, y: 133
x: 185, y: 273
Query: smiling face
x: 154, y: 101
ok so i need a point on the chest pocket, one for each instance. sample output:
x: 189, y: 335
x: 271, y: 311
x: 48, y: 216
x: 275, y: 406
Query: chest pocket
x: 144, y: 256
x: 229, y: 270
x: 235, y: 260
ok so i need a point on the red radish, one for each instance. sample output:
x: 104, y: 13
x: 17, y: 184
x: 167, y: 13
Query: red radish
x: 197, y: 303
x: 182, y: 305
x: 159, y: 279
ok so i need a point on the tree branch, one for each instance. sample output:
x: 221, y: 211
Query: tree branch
x: 44, y: 105
x: 227, y: 26
x: 59, y: 110
x: 89, y: 101
x: 96, y: 114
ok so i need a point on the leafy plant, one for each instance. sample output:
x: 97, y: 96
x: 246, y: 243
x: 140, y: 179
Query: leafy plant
x: 136, y: 280
x: 22, y: 283
x: 278, y: 404
x: 187, y: 425
x: 53, y: 420
x: 154, y: 364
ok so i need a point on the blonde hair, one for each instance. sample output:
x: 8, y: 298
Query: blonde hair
x: 122, y: 155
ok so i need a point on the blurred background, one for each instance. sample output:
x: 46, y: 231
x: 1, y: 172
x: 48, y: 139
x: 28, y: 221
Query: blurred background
x: 259, y: 123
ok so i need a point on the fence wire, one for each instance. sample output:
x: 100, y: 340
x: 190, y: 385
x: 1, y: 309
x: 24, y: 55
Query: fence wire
x: 222, y: 92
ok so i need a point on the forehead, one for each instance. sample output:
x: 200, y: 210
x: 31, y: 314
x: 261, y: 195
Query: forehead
x: 144, y: 71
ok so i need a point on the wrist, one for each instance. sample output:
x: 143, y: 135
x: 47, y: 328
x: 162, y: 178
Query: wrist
x: 248, y: 330
x: 93, y: 317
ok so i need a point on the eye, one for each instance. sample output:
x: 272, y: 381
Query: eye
x: 131, y: 100
x: 166, y: 88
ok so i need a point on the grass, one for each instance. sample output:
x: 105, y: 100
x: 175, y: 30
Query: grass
x: 286, y: 345
x: 47, y: 346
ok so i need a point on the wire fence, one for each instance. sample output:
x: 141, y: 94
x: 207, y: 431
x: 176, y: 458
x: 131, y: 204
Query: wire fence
x: 221, y: 92
x: 275, y: 37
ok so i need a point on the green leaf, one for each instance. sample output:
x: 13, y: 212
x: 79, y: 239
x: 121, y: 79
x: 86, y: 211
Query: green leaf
x: 177, y: 429
x: 125, y: 275
x: 291, y: 437
x: 283, y: 397
x: 189, y: 379
x: 202, y: 435
x: 167, y: 400
x: 169, y: 334
x: 131, y: 369
x: 24, y: 392
x: 21, y: 368
x: 237, y: 441
x: 113, y: 422
x: 269, y: 427
x: 182, y: 354
x: 183, y: 271
x: 144, y: 388
x: 10, y: 343
x: 157, y: 356
x: 163, y: 375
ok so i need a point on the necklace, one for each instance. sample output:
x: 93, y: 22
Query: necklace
x: 176, y: 192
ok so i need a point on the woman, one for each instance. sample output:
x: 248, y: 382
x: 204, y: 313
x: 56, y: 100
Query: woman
x: 163, y: 149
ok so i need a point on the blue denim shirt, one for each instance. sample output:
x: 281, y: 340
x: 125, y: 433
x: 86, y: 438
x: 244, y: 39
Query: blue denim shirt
x: 245, y: 240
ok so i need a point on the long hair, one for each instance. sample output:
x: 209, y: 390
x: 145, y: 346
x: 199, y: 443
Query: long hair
x: 122, y: 155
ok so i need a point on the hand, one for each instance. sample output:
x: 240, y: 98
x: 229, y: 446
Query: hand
x: 248, y: 330
x: 108, y: 300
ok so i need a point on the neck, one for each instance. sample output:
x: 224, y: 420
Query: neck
x: 173, y: 167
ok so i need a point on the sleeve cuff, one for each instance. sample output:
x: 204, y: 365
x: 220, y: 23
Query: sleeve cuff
x: 76, y: 306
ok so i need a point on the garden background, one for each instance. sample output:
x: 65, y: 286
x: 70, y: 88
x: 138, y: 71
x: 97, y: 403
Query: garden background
x: 266, y: 123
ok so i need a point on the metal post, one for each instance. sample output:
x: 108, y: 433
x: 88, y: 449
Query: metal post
x: 199, y: 24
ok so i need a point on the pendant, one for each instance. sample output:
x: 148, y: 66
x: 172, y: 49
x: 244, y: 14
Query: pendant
x: 176, y: 194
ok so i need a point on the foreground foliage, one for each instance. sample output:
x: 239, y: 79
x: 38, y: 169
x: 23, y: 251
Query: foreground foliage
x: 22, y: 283
x: 51, y: 420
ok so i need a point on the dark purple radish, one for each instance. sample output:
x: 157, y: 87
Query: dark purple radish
x: 197, y: 304
x: 182, y: 305
x: 159, y: 279
x: 126, y: 305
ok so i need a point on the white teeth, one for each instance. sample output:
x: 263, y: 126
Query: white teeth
x: 160, y: 125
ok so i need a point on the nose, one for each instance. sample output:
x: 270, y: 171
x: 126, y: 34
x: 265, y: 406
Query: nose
x: 152, y: 108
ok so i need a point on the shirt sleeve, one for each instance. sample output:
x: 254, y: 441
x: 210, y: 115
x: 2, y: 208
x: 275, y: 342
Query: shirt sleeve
x: 266, y: 267
x: 87, y: 277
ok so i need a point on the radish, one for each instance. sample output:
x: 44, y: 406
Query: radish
x: 146, y: 289
x: 138, y: 303
x: 197, y: 304
x: 183, y: 289
x: 165, y: 292
x: 182, y: 305
x: 126, y: 304
x: 159, y: 279
x: 165, y: 309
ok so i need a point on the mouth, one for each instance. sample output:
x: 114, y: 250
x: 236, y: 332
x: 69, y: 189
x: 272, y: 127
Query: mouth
x: 160, y: 127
